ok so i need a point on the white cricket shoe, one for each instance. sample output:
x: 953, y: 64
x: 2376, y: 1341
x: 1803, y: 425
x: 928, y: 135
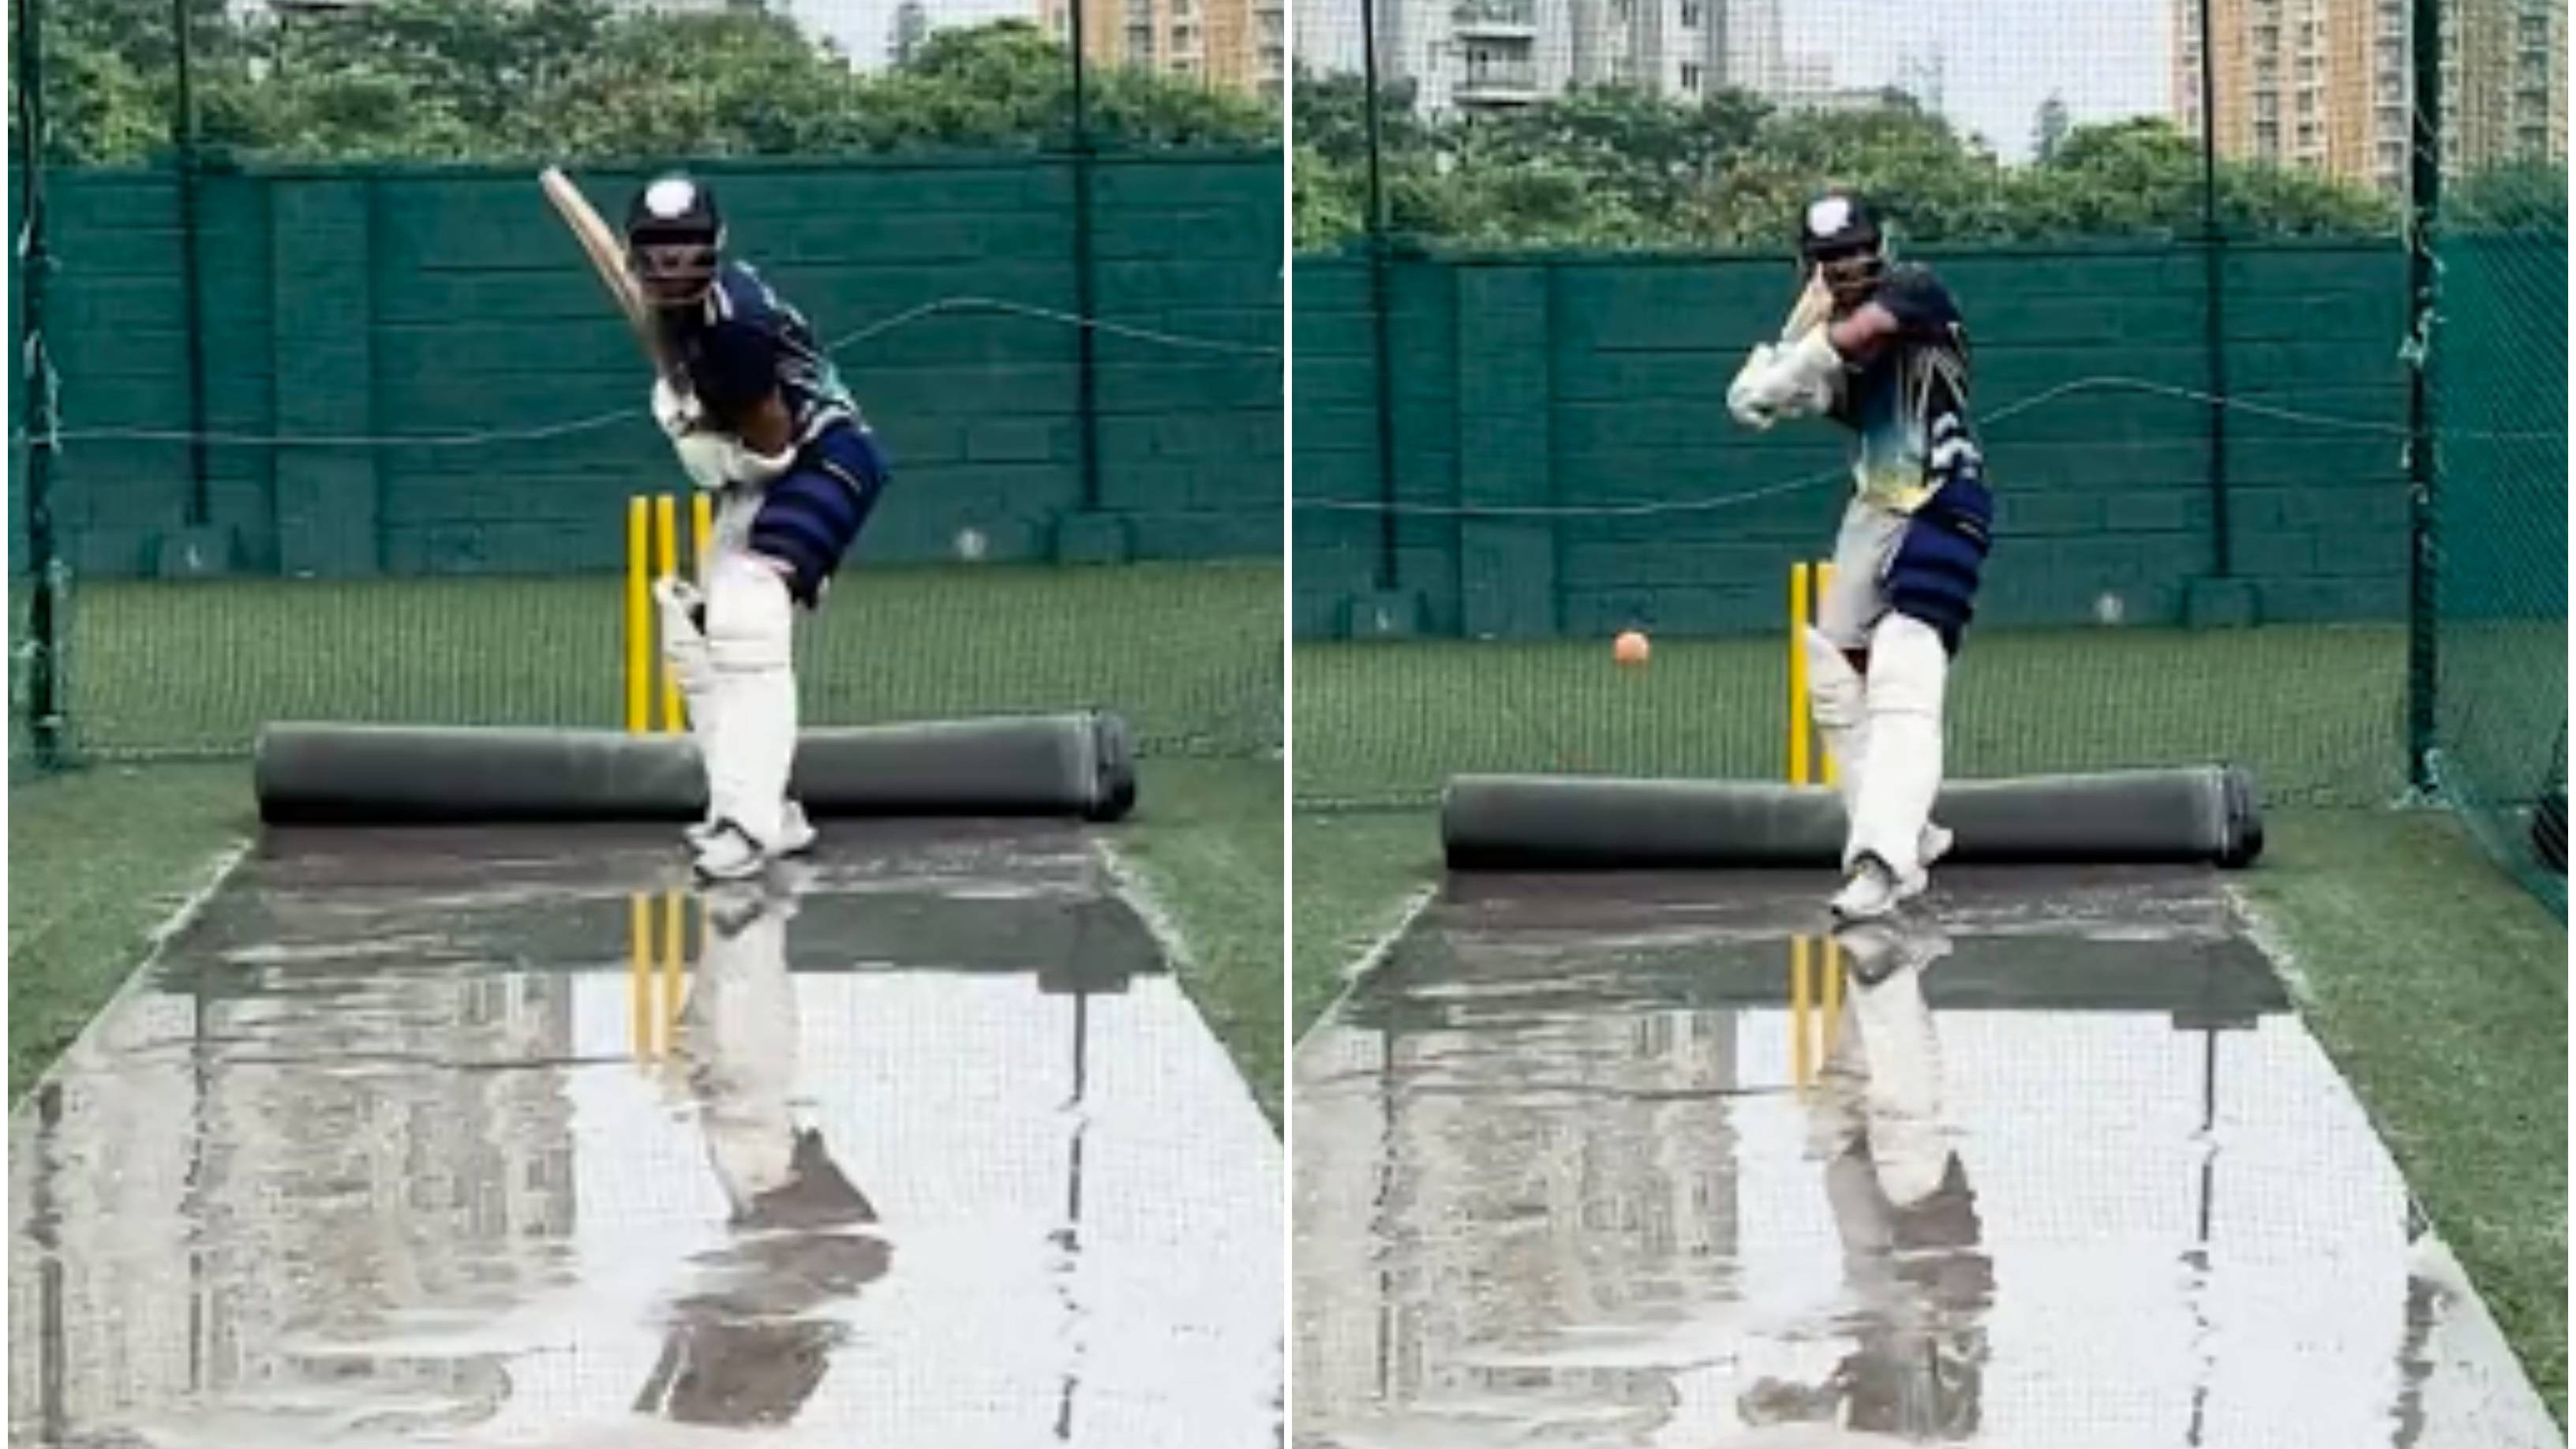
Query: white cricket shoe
x: 727, y: 852
x: 1872, y: 891
x: 796, y: 834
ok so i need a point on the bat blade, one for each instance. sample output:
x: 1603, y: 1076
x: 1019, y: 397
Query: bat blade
x: 1814, y: 305
x: 607, y: 257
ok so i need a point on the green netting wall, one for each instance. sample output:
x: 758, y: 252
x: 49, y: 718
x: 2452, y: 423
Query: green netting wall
x: 2499, y: 544
x: 423, y: 424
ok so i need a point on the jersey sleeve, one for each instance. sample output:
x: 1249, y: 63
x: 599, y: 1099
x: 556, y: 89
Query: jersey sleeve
x: 1922, y: 307
x: 733, y: 367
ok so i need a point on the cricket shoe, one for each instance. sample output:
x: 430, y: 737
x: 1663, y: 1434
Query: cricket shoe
x: 1936, y: 843
x: 1872, y: 891
x: 727, y: 852
x: 795, y: 834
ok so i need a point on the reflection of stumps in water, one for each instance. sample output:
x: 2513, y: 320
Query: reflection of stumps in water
x: 656, y: 958
x: 1815, y: 1004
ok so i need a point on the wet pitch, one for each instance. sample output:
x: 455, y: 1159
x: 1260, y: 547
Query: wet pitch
x: 482, y: 1137
x: 1637, y: 1161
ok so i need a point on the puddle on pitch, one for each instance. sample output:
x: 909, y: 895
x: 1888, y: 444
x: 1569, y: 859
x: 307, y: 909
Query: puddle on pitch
x: 591, y: 1161
x: 1996, y: 1188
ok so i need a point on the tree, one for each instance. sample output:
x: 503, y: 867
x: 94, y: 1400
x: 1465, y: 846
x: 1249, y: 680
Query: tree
x: 2523, y: 196
x: 2048, y: 128
x: 575, y: 79
x: 1623, y: 167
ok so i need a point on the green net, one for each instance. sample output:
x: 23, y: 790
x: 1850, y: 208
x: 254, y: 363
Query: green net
x: 350, y: 430
x: 1534, y: 255
x: 1186, y: 651
x: 2499, y: 543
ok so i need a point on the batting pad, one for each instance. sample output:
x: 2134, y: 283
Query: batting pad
x: 1064, y: 764
x: 2200, y: 814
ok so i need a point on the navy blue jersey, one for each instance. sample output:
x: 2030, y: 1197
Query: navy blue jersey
x: 1909, y: 402
x: 743, y: 343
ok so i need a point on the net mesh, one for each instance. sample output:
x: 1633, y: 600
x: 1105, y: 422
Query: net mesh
x: 345, y: 435
x: 2499, y: 538
x: 2180, y: 240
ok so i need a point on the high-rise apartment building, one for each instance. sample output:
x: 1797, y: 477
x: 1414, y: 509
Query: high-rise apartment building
x: 2329, y: 84
x: 1489, y: 54
x: 1237, y: 44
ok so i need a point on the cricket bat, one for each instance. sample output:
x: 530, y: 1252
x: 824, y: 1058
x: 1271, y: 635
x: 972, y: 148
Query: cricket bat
x: 1815, y: 303
x: 607, y: 257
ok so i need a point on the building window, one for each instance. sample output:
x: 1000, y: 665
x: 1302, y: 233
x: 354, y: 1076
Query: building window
x: 1690, y: 78
x: 1691, y: 14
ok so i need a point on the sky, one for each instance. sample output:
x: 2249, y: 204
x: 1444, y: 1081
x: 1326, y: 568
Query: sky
x: 2002, y: 58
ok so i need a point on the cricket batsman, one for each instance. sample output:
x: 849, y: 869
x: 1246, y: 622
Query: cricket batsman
x: 1882, y: 350
x: 758, y: 416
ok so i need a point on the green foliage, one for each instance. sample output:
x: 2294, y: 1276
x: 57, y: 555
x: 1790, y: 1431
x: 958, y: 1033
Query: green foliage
x: 1622, y: 167
x: 2518, y: 196
x: 581, y: 79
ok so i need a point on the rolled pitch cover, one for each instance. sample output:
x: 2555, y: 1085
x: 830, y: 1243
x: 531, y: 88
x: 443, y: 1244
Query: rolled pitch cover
x: 2197, y: 814
x: 1063, y: 764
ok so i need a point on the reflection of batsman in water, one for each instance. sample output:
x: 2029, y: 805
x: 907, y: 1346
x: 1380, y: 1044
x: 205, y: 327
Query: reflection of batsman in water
x: 750, y: 1344
x: 1918, y: 1280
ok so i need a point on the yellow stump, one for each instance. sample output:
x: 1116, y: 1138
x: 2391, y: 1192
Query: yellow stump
x: 1824, y: 583
x: 639, y: 620
x: 666, y: 558
x: 1810, y: 763
x: 702, y: 526
x: 1799, y: 721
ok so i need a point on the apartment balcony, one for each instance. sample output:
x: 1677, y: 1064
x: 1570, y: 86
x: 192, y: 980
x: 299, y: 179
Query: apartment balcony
x: 1495, y: 19
x: 1498, y: 83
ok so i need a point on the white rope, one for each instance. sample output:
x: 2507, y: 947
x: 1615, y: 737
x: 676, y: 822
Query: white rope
x: 546, y: 431
x: 1815, y: 480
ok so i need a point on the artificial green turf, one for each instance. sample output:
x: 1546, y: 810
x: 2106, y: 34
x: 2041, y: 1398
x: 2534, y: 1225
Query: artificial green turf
x: 1187, y: 653
x: 1355, y: 872
x: 97, y: 860
x: 2440, y: 988
x: 2317, y: 711
x: 2437, y: 984
x: 1207, y: 836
